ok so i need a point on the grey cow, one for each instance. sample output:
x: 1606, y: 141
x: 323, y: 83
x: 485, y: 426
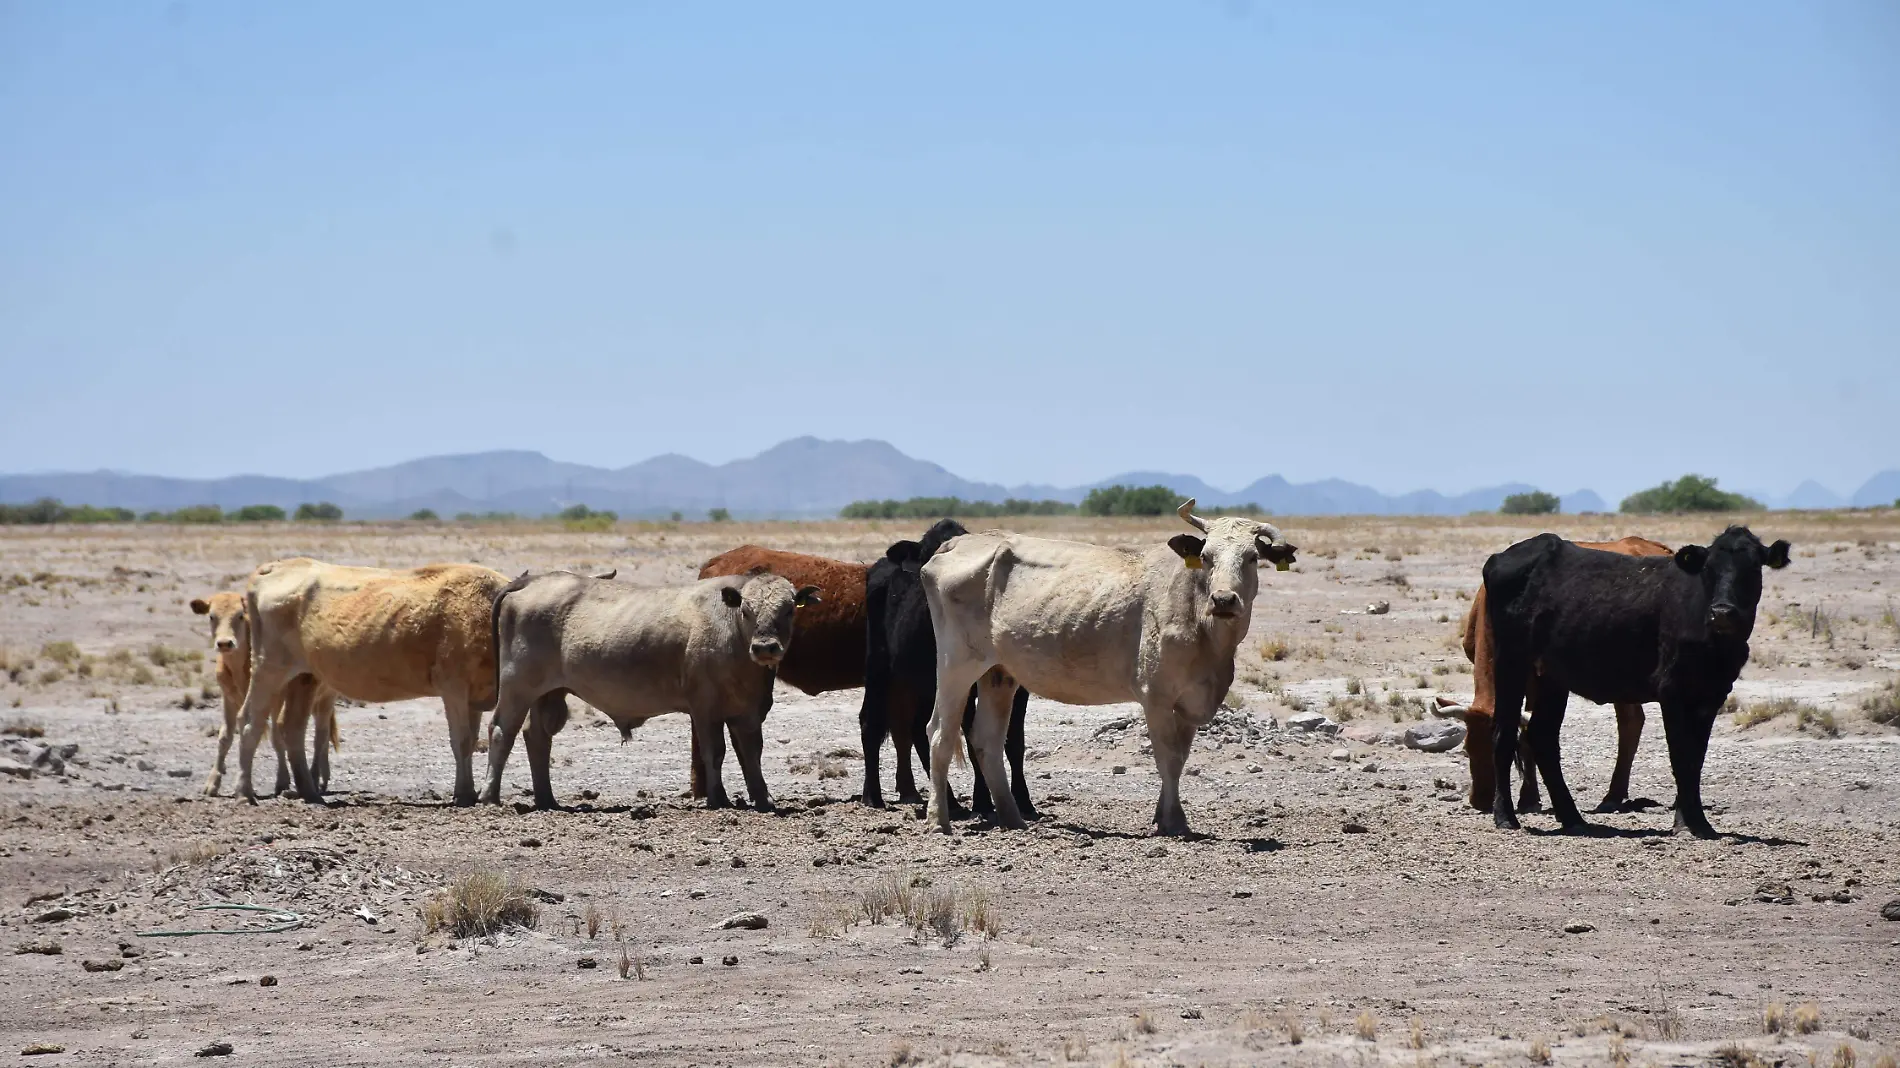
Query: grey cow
x: 709, y: 650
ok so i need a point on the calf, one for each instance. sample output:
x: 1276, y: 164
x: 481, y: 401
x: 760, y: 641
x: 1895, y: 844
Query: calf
x: 1478, y: 718
x: 373, y: 635
x: 1089, y: 625
x: 231, y: 640
x: 900, y: 679
x: 1620, y: 630
x: 708, y: 649
x: 830, y: 650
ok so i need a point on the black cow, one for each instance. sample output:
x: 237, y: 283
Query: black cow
x: 900, y: 679
x: 1620, y: 630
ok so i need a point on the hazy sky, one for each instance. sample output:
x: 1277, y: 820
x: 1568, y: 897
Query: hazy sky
x: 1410, y: 245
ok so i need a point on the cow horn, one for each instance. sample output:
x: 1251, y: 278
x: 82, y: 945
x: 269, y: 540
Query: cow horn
x: 1272, y: 532
x: 1186, y: 512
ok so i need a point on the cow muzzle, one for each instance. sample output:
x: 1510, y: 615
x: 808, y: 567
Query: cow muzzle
x: 768, y: 653
x: 1725, y: 619
x: 225, y: 645
x: 1224, y: 604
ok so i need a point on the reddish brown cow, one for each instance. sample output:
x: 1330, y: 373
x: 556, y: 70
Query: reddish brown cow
x: 827, y: 652
x: 1482, y: 712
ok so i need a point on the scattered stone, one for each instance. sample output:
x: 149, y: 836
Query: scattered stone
x: 547, y: 897
x: 38, y: 1048
x: 215, y: 1049
x: 1435, y: 736
x: 112, y: 965
x: 531, y: 843
x: 45, y: 947
x: 696, y: 960
x: 1378, y: 608
x: 744, y: 921
x: 1312, y: 723
x: 1190, y: 1014
x: 696, y: 894
x: 1370, y: 765
x: 1578, y: 927
x: 9, y: 766
x: 43, y: 895
x: 729, y: 960
x: 588, y: 962
x: 522, y: 808
x: 266, y: 980
x: 1254, y: 769
x: 1158, y: 851
x: 1119, y: 769
x: 1355, y: 828
x: 179, y: 773
x: 1772, y: 892
x: 1243, y: 893
x: 1891, y: 910
x: 144, y: 765
x: 55, y: 915
x: 642, y: 812
x: 739, y: 862
x: 1341, y: 755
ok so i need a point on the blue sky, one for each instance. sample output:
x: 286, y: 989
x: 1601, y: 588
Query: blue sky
x: 1410, y: 245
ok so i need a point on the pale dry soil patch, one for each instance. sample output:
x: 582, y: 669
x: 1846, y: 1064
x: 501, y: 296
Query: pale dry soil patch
x: 1319, y: 895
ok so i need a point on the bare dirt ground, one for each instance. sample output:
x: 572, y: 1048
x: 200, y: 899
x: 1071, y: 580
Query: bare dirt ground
x: 1340, y: 902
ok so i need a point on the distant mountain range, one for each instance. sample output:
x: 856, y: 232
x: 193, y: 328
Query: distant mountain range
x: 804, y: 477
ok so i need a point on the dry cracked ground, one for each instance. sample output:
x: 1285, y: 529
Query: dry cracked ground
x: 1339, y: 903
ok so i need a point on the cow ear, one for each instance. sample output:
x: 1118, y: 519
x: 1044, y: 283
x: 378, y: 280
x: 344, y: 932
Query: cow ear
x: 1188, y: 548
x: 730, y: 596
x: 200, y: 606
x: 1280, y: 556
x: 1778, y: 555
x: 1690, y: 558
x: 904, y: 552
x: 806, y: 595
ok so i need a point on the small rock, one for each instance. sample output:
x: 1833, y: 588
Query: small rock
x: 1119, y: 769
x: 531, y: 843
x: 695, y: 894
x: 1891, y: 910
x: 216, y: 1049
x: 744, y: 921
x: 9, y: 766
x: 588, y: 962
x: 696, y: 960
x: 702, y: 862
x: 1341, y: 755
x: 1772, y: 892
x: 266, y: 980
x: 179, y: 773
x: 522, y: 808
x: 47, y: 948
x: 1370, y: 765
x: 144, y: 765
x: 1435, y: 736
x: 1355, y: 828
x: 729, y: 960
x: 38, y: 1048
x: 1578, y: 927
x: 1190, y: 1014
x: 1243, y: 893
x: 547, y: 897
x: 1254, y: 769
x: 642, y: 812
x: 102, y: 965
x: 1158, y: 851
x: 55, y: 915
x: 1312, y: 722
x: 738, y: 862
x: 1378, y: 608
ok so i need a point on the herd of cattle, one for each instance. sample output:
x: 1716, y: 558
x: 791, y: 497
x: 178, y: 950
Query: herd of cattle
x: 948, y: 635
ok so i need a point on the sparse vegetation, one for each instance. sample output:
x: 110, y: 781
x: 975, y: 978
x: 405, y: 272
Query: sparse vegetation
x: 951, y: 508
x: 47, y: 511
x: 1540, y: 1051
x: 479, y: 903
x: 322, y: 511
x: 718, y: 515
x: 1130, y: 500
x: 1805, y: 1019
x: 1536, y: 502
x: 1774, y: 1019
x: 258, y: 513
x: 1274, y: 649
x: 1883, y: 706
x: 423, y: 515
x: 1366, y: 1026
x: 581, y: 519
x: 1690, y: 493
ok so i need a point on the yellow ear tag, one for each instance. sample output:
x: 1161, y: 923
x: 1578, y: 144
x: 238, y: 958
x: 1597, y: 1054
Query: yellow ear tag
x: 1193, y: 562
x: 1280, y: 565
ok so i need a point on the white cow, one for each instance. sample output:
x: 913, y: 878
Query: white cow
x: 1088, y: 625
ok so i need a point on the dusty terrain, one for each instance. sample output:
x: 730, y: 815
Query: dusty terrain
x: 1321, y: 896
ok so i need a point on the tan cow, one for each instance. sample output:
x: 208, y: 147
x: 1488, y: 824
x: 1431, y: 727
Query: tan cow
x: 1480, y: 717
x: 372, y: 635
x: 1089, y: 625
x: 231, y: 640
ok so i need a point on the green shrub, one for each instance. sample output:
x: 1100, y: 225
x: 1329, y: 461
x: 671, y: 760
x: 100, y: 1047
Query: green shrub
x: 258, y: 513
x: 1130, y: 500
x: 1690, y: 493
x: 49, y: 510
x: 1536, y: 502
x: 950, y: 507
x: 196, y: 513
x: 424, y: 515
x: 322, y: 510
x: 719, y: 515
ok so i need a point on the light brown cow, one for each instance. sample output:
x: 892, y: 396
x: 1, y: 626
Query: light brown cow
x: 372, y: 635
x: 231, y: 640
x: 1481, y: 715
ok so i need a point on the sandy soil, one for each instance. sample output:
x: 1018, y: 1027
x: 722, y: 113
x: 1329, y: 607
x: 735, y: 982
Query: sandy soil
x: 1320, y: 895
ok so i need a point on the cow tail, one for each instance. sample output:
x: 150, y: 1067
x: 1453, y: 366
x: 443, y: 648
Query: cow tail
x: 494, y: 626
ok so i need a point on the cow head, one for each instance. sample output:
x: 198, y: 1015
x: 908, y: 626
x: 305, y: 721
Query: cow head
x: 1730, y: 570
x: 766, y: 605
x: 1230, y: 552
x: 230, y: 631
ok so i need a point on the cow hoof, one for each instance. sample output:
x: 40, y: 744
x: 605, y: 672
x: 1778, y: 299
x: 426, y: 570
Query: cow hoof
x: 718, y: 802
x: 211, y: 787
x: 1611, y: 804
x: 1699, y: 828
x: 871, y: 801
x: 764, y: 804
x: 1505, y: 822
x: 1583, y: 829
x: 912, y: 798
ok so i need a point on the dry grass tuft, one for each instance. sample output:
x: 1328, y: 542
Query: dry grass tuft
x: 1075, y: 1048
x: 1144, y: 1024
x: 1735, y: 1056
x: 479, y: 903
x: 1844, y: 1056
x: 902, y: 1055
x: 1366, y: 1026
x: 1275, y: 649
x: 1295, y: 1032
x: 1774, y: 1019
x: 1417, y: 1040
x: 192, y: 853
x: 1884, y: 706
x: 23, y: 728
x: 591, y: 917
x: 1885, y: 1060
x: 1540, y: 1051
x: 1805, y: 1020
x: 1619, y: 1051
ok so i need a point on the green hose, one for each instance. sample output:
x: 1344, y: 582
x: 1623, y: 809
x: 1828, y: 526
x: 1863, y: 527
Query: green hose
x: 286, y: 920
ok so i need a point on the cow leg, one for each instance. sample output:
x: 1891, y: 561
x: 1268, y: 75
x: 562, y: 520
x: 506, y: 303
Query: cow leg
x: 1510, y: 682
x: 712, y: 759
x: 266, y: 693
x: 511, y: 711
x: 1528, y: 799
x: 1629, y: 734
x: 946, y: 726
x: 233, y: 703
x: 277, y: 735
x: 292, y: 727
x: 1546, y: 741
x: 697, y: 778
x: 980, y: 801
x: 464, y: 724
x: 1013, y: 747
x: 874, y: 723
x: 748, y: 741
x: 1478, y: 756
x: 545, y: 719
x: 1688, y: 737
x: 1170, y: 735
x: 323, y: 736
x: 994, y: 694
